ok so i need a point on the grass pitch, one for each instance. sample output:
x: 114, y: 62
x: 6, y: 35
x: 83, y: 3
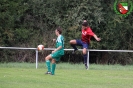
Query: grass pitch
x: 24, y: 75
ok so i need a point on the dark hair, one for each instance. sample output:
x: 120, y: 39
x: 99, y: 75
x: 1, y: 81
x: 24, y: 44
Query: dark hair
x: 85, y: 24
x: 59, y: 30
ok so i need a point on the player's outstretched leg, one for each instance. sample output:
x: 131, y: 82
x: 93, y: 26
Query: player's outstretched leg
x: 73, y: 44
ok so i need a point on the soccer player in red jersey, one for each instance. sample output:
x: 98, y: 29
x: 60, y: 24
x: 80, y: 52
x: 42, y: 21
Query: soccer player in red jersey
x: 87, y: 33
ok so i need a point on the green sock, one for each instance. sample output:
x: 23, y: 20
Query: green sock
x: 48, y: 65
x: 53, y: 68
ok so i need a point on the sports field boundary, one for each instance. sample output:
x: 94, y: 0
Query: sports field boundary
x: 36, y: 50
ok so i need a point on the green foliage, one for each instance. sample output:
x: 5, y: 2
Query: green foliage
x: 28, y: 23
x: 11, y: 11
x: 21, y: 34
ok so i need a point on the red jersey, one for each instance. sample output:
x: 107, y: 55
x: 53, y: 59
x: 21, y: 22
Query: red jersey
x: 86, y: 35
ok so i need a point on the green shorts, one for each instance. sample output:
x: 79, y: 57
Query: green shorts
x: 56, y: 56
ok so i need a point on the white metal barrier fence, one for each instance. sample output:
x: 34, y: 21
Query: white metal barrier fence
x: 65, y: 50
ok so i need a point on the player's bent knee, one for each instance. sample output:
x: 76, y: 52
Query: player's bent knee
x: 48, y: 57
x: 72, y: 42
x: 84, y: 51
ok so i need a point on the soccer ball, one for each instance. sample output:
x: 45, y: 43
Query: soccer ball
x: 40, y: 47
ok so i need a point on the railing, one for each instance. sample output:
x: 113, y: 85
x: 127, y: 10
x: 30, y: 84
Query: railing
x: 65, y: 50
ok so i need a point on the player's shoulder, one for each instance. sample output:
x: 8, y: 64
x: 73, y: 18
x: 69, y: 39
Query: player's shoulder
x: 89, y: 29
x: 61, y: 37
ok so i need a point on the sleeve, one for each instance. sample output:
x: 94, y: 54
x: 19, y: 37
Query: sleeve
x: 90, y: 32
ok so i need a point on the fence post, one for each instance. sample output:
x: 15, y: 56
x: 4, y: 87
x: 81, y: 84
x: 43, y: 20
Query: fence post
x: 88, y: 59
x: 36, y: 58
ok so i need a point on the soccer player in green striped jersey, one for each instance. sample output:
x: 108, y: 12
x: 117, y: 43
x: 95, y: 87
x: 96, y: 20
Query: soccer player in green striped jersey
x: 56, y: 54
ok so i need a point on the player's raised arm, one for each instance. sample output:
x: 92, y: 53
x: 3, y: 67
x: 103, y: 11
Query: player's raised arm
x: 97, y: 38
